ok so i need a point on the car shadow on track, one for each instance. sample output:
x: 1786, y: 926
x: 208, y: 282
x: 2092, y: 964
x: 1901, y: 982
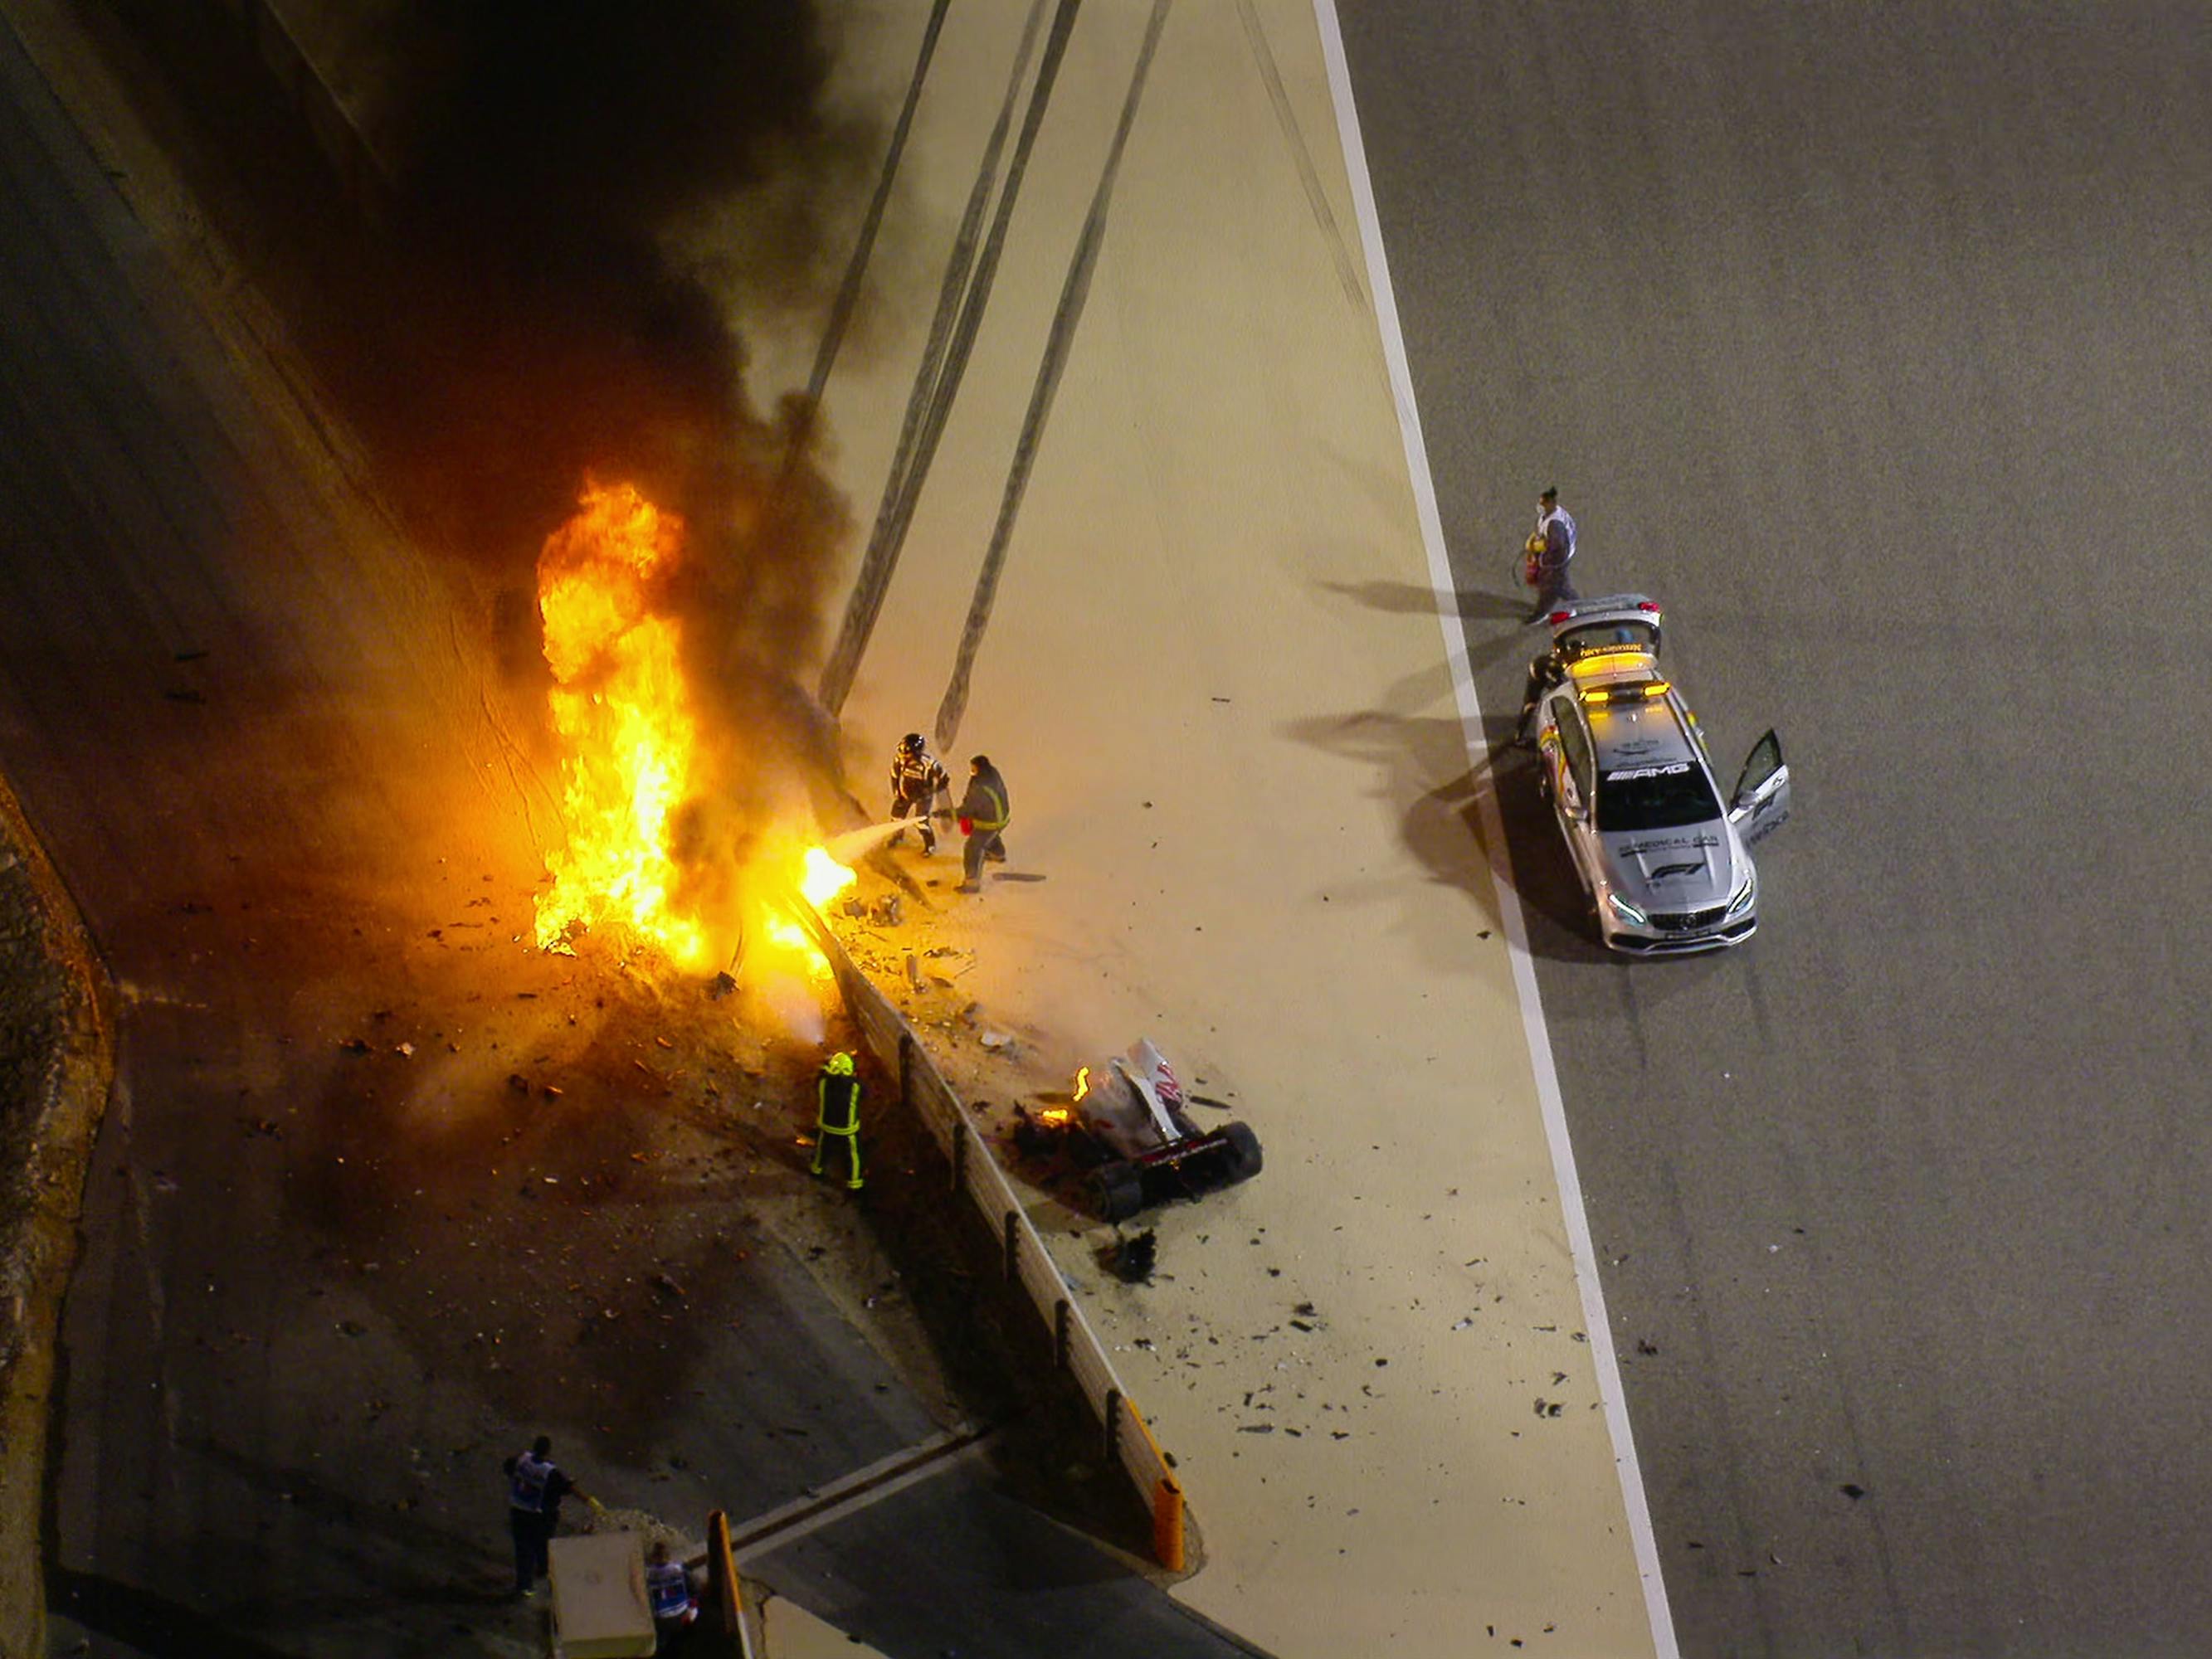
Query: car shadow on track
x: 1438, y: 821
x: 1442, y: 822
x: 1554, y: 907
x: 1411, y: 599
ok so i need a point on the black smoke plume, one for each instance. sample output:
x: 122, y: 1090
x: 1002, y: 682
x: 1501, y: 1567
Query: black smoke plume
x: 503, y: 312
x: 542, y: 330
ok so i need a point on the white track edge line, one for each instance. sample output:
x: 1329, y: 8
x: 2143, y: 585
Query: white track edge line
x: 1611, y: 1393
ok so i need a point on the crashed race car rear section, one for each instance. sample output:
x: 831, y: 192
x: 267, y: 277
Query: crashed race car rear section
x: 1129, y: 1120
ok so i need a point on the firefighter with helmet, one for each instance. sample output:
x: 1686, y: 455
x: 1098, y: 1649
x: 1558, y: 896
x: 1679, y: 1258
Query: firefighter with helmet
x: 837, y: 1115
x: 984, y: 810
x: 917, y: 780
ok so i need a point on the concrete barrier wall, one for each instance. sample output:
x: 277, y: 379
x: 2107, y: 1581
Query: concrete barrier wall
x: 1124, y: 1436
x: 363, y: 177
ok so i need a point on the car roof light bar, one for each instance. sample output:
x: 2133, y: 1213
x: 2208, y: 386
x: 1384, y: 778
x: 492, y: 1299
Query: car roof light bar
x: 1641, y: 690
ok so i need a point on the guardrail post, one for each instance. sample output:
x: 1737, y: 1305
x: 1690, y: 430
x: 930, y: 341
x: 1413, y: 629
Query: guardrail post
x: 1113, y: 1413
x: 960, y: 1157
x: 1167, y: 1523
x: 1060, y: 1325
x: 905, y: 1071
x: 725, y: 1592
x: 1013, y: 1245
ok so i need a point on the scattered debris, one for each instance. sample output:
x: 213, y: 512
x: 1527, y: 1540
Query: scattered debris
x: 720, y: 987
x: 355, y: 1045
x: 1852, y: 1489
x: 1131, y: 1259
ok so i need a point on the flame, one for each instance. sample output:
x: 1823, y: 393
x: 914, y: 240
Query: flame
x: 620, y: 707
x: 1083, y: 1083
x: 819, y: 879
x: 1056, y: 1116
x: 824, y: 878
x: 787, y: 935
x: 624, y: 714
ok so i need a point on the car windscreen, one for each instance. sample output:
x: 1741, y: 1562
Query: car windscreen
x: 1665, y: 797
x: 1613, y: 636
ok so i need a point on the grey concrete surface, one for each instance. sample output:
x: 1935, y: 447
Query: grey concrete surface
x: 1873, y: 341
x: 882, y: 1574
x: 344, y: 1248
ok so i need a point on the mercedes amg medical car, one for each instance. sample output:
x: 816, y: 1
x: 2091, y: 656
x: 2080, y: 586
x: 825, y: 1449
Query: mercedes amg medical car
x: 1625, y: 769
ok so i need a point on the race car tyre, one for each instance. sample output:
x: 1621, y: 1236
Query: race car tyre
x: 1120, y: 1190
x: 1243, y: 1160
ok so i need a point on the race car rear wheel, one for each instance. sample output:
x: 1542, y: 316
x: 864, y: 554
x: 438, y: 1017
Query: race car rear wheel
x: 1244, y: 1147
x: 1119, y: 1190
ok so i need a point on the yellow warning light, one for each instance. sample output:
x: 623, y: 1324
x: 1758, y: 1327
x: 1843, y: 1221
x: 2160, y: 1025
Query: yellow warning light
x: 1599, y: 697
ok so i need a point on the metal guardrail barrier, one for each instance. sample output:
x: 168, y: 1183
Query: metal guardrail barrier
x: 1125, y: 1438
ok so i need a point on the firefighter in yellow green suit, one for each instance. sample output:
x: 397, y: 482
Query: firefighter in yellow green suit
x: 838, y: 1116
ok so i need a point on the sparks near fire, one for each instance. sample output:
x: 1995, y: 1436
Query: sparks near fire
x: 629, y: 735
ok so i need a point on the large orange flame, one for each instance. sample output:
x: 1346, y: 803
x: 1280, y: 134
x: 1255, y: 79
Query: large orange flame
x: 624, y: 717
x: 624, y: 714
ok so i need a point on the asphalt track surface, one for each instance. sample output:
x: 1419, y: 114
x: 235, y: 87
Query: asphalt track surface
x: 322, y: 1288
x: 1873, y: 341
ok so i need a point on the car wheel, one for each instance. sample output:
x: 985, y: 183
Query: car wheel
x: 1119, y: 1189
x: 1243, y: 1160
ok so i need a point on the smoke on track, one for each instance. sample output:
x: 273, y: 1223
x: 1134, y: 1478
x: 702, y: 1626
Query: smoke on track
x: 541, y: 327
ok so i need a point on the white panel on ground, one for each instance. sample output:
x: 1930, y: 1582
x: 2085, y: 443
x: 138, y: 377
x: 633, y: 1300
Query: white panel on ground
x: 600, y: 1609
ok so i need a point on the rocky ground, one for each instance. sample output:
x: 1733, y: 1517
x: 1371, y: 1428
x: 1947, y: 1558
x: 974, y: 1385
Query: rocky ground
x: 54, y: 1064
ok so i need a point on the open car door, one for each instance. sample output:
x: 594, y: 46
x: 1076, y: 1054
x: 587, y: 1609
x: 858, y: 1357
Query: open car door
x: 1761, y: 801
